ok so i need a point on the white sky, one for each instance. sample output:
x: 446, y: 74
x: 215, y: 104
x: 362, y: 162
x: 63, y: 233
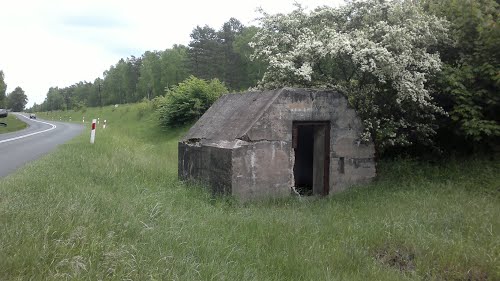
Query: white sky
x: 48, y: 43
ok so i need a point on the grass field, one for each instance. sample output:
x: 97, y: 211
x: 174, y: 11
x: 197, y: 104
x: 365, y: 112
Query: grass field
x: 115, y: 210
x: 13, y: 124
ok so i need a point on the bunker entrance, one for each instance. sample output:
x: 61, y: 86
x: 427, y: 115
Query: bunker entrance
x: 311, y: 142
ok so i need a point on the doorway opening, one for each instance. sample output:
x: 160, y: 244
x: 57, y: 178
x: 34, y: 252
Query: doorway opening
x: 311, y: 142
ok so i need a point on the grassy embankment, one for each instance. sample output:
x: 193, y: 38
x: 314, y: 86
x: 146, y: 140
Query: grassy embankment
x: 13, y: 124
x: 115, y: 210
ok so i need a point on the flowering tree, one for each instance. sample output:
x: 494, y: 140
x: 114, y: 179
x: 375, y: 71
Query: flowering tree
x: 377, y: 52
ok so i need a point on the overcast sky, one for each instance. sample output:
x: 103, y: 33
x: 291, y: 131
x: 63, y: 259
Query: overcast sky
x: 48, y: 43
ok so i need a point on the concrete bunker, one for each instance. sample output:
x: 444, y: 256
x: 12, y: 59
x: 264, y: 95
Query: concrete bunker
x: 273, y: 143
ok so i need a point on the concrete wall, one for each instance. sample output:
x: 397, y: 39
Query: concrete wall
x: 262, y: 170
x: 206, y: 164
x: 345, y: 129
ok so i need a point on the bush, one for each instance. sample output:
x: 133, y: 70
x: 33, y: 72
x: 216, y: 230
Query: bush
x: 143, y: 107
x: 157, y: 102
x: 187, y: 101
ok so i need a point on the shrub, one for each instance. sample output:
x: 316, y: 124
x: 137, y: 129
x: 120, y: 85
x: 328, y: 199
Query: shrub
x: 143, y: 107
x: 187, y: 101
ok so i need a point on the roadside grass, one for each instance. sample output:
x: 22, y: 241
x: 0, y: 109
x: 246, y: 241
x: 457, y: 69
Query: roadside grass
x: 115, y: 210
x: 13, y: 124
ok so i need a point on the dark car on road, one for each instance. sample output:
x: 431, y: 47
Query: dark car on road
x: 32, y: 116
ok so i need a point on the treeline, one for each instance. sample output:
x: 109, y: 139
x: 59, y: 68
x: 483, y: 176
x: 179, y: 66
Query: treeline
x: 421, y: 74
x: 221, y: 54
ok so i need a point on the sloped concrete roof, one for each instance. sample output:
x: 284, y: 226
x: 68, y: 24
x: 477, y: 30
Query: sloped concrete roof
x: 231, y: 116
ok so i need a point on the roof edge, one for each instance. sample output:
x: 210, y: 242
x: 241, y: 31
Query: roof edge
x: 257, y: 117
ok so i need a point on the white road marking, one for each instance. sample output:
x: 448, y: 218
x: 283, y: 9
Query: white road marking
x: 31, y: 134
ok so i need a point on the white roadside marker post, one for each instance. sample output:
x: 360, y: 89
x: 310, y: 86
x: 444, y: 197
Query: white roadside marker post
x: 104, y: 125
x: 92, y: 133
x: 97, y: 120
x: 83, y: 120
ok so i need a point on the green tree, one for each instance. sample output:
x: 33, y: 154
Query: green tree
x: 17, y: 100
x: 3, y: 89
x: 378, y: 52
x: 233, y: 71
x: 94, y: 98
x: 187, y: 101
x: 224, y: 54
x: 173, y: 66
x: 149, y: 81
x: 54, y: 100
x: 253, y: 69
x: 470, y: 82
x: 205, y: 53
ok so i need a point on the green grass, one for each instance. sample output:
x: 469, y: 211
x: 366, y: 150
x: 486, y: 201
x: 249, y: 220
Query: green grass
x: 115, y: 210
x: 13, y: 124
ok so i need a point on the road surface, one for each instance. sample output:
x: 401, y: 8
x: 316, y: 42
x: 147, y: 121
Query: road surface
x: 20, y: 147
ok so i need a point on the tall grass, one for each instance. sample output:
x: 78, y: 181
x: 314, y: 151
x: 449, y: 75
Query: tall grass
x: 115, y: 210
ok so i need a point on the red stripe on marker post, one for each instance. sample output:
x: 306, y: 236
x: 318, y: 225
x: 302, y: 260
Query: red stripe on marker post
x: 92, y: 133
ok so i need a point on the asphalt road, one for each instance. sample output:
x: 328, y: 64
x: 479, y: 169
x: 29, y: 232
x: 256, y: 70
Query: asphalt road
x: 21, y: 147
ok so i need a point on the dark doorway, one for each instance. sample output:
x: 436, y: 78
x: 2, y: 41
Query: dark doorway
x: 311, y: 142
x: 304, y: 150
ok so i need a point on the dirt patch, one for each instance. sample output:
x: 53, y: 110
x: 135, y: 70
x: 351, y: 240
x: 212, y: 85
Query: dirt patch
x: 402, y: 259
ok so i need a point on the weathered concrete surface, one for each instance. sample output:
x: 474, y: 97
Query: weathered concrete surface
x: 206, y: 164
x: 243, y: 144
x: 262, y: 169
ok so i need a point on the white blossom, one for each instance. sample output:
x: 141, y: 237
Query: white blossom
x: 375, y: 51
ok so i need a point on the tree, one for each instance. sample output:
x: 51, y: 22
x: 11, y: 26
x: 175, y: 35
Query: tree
x: 205, y: 53
x: 232, y: 63
x: 378, y: 52
x: 3, y: 88
x: 173, y: 66
x: 470, y: 82
x: 54, y: 99
x: 253, y: 69
x: 187, y: 101
x: 149, y: 81
x: 17, y: 100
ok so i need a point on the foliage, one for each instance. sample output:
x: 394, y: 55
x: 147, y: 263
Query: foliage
x: 253, y: 68
x: 120, y: 81
x: 3, y: 88
x: 204, y: 53
x: 54, y: 100
x: 221, y: 54
x: 17, y: 100
x: 144, y: 107
x: 150, y: 75
x: 173, y: 66
x: 187, y: 101
x: 470, y: 82
x: 378, y: 52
